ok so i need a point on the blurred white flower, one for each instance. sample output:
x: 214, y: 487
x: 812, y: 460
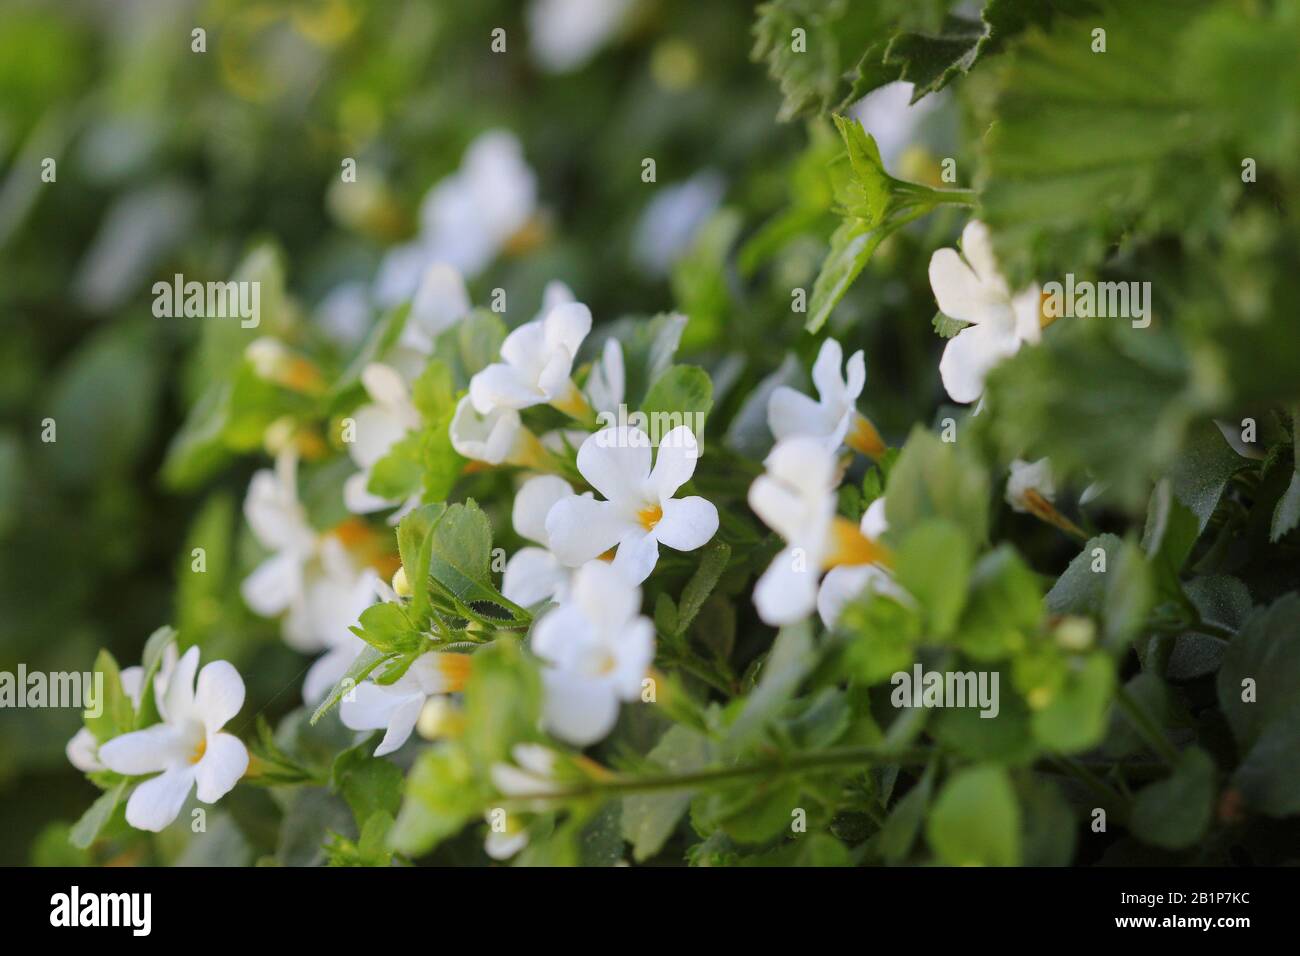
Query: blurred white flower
x: 671, y: 220
x: 607, y: 382
x: 334, y: 603
x: 379, y: 426
x: 466, y: 218
x: 396, y: 707
x: 598, y: 648
x: 1029, y: 483
x: 893, y: 120
x: 279, y: 522
x: 639, y: 511
x: 834, y: 417
x: 565, y: 34
x: 845, y: 582
x: 968, y: 287
x: 496, y: 438
x: 796, y: 499
x: 534, y: 573
x: 187, y: 748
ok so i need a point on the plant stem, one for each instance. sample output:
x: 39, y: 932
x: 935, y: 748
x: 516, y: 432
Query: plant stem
x: 834, y: 757
x: 1146, y: 728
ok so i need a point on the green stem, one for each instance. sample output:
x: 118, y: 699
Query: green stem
x: 1146, y: 728
x: 655, y: 783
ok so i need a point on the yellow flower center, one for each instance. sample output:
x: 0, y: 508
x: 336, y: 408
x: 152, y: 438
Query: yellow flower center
x: 649, y: 517
x: 850, y: 546
x: 199, y: 751
x: 864, y: 438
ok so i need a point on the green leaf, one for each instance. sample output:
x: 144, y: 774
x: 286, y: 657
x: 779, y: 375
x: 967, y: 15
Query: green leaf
x: 460, y: 557
x: 117, y: 713
x: 150, y: 662
x: 386, y: 628
x: 650, y: 819
x: 791, y: 660
x: 1075, y: 717
x: 357, y: 671
x: 881, y: 637
x: 1267, y: 655
x: 1048, y: 830
x: 936, y: 479
x: 713, y: 561
x: 1079, y: 154
x: 976, y: 820
x: 1004, y: 609
x: 441, y: 797
x: 933, y: 564
x: 368, y: 784
x: 903, y: 825
x: 503, y: 703
x: 679, y: 395
x: 945, y: 327
x: 85, y: 830
x: 1174, y: 813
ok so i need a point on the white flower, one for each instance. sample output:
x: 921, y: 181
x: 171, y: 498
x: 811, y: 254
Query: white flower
x: 380, y: 425
x: 538, y: 364
x: 497, y: 437
x: 671, y: 220
x: 968, y: 287
x: 333, y: 604
x: 396, y: 707
x: 279, y: 522
x: 639, y: 512
x: 467, y: 218
x: 535, y: 574
x: 845, y: 582
x: 531, y: 775
x: 834, y: 417
x: 83, y: 749
x: 187, y: 748
x: 796, y: 499
x: 440, y: 302
x: 607, y: 383
x: 599, y: 648
x: 565, y: 34
x: 1029, y: 484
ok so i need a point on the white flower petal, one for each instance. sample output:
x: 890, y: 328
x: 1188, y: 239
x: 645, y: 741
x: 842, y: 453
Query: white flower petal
x: 687, y: 523
x: 156, y: 803
x: 219, y: 696
x: 532, y: 575
x: 566, y: 325
x: 273, y: 584
x: 968, y: 357
x: 977, y: 249
x: 144, y: 751
x: 791, y: 413
x: 440, y: 301
x: 787, y: 590
x: 675, y: 462
x: 638, y: 553
x: 502, y: 386
x: 957, y: 288
x: 224, y: 761
x: 400, y: 724
x: 83, y: 751
x: 580, y: 528
x: 177, y: 702
x: 616, y: 462
x: 533, y: 502
x: 486, y: 437
x: 576, y: 709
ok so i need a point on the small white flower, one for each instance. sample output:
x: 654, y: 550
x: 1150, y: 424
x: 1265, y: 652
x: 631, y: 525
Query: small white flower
x: 796, y: 499
x: 607, y: 383
x: 1027, y: 482
x: 396, y: 707
x: 599, y: 648
x: 334, y: 603
x: 534, y: 573
x: 83, y: 749
x: 968, y: 287
x: 639, y: 511
x: 496, y: 438
x: 390, y: 417
x: 467, y: 218
x: 187, y: 748
x: 279, y: 522
x: 440, y: 302
x: 531, y: 775
x: 671, y: 220
x: 845, y: 582
x: 565, y: 34
x: 538, y: 364
x: 834, y: 417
